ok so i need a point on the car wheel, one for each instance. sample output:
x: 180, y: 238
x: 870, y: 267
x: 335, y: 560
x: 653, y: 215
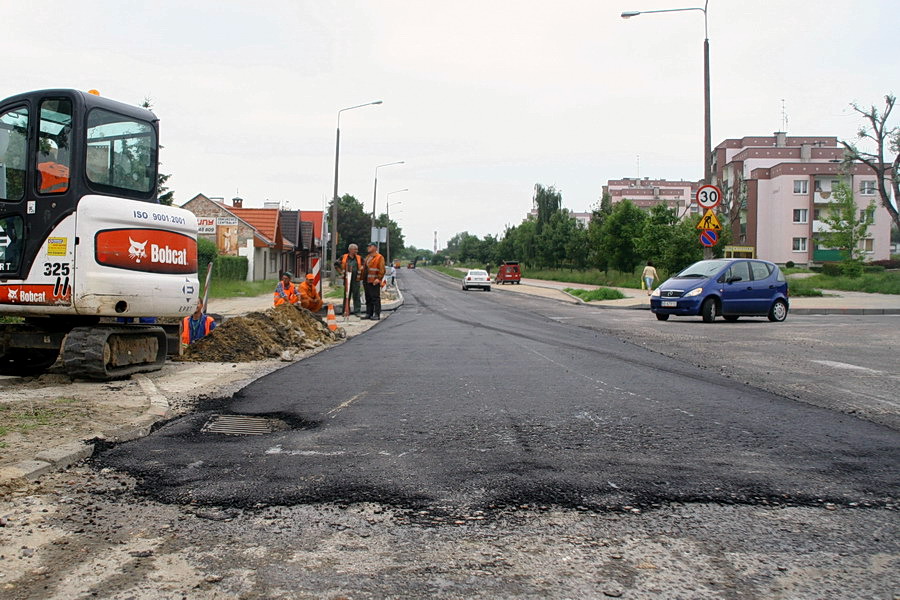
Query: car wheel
x: 731, y: 318
x: 465, y: 289
x: 708, y: 310
x: 779, y: 311
x: 662, y: 317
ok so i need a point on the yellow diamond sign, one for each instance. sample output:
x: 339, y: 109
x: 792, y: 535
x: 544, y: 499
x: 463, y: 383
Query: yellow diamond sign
x: 709, y: 221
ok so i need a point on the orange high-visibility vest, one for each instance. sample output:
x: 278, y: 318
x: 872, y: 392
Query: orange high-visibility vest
x: 186, y: 329
x: 309, y: 296
x: 374, y: 268
x: 359, y: 265
x: 285, y: 294
x: 54, y: 178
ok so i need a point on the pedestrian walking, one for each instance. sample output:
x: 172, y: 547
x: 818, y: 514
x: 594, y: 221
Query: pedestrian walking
x: 285, y: 291
x: 648, y: 277
x: 373, y: 275
x: 352, y: 262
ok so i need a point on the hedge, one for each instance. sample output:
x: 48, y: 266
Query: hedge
x: 230, y: 267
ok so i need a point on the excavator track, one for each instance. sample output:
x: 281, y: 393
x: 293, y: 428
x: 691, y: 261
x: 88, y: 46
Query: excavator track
x: 113, y: 352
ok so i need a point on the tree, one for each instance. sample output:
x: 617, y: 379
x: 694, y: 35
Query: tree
x: 658, y: 231
x: 619, y: 234
x: 887, y: 139
x: 547, y: 201
x: 847, y: 227
x: 163, y: 194
x: 354, y: 224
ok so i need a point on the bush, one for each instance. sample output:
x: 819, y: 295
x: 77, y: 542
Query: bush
x: 873, y: 269
x: 892, y: 263
x: 832, y: 269
x: 206, y: 253
x: 598, y: 294
x: 852, y: 268
x: 230, y: 267
x: 789, y: 264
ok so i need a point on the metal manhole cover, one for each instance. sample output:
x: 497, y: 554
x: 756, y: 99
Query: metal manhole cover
x: 243, y: 425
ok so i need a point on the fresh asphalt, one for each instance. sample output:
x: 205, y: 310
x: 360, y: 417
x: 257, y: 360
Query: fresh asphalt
x: 466, y: 401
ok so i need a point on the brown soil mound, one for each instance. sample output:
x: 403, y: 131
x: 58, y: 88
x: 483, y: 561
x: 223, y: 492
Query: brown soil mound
x: 261, y: 335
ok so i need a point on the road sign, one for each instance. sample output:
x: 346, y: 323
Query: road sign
x: 709, y: 238
x: 709, y: 196
x: 709, y: 221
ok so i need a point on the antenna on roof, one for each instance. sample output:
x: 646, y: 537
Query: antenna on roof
x: 639, y: 166
x: 784, y: 117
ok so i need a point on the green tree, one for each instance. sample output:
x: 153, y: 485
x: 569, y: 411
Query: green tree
x: 887, y: 140
x: 163, y: 194
x: 354, y: 224
x: 548, y: 202
x: 847, y: 227
x: 619, y: 235
x: 658, y: 231
x: 683, y: 247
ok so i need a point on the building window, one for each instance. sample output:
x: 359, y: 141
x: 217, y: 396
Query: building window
x: 800, y: 244
x: 867, y: 187
x: 801, y: 186
x: 867, y: 245
x: 801, y: 215
x: 816, y: 213
x: 867, y: 216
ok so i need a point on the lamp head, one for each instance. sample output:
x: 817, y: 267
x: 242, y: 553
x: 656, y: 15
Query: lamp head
x: 630, y: 13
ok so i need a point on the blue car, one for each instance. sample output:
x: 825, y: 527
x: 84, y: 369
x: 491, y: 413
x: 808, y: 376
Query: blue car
x: 730, y: 287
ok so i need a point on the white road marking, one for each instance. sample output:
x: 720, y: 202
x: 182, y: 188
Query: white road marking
x: 841, y: 365
x: 334, y: 411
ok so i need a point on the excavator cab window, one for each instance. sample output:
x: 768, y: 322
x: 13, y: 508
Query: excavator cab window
x: 121, y: 152
x: 54, y: 146
x: 13, y: 153
x: 12, y: 241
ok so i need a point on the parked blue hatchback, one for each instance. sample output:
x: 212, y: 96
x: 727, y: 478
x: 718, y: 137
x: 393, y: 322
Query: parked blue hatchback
x: 730, y: 287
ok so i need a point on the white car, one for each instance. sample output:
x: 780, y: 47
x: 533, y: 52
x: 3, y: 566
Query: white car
x: 477, y: 278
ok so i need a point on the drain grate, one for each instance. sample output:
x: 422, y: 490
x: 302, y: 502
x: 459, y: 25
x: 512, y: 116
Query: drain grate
x: 243, y: 425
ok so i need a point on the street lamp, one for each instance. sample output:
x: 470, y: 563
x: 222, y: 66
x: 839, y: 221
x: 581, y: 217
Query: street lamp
x: 707, y: 141
x: 334, y: 210
x: 375, y: 190
x: 387, y: 211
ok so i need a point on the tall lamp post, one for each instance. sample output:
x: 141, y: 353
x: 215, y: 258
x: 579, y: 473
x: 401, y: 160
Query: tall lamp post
x: 334, y: 204
x: 387, y: 209
x: 375, y: 190
x: 707, y: 141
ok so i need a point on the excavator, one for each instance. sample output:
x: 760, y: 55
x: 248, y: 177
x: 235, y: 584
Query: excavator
x: 89, y: 259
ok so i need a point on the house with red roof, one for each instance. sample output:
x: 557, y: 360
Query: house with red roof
x: 254, y: 233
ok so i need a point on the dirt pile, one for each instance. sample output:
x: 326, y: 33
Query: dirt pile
x: 277, y: 332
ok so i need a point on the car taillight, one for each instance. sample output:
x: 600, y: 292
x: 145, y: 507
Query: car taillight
x: 468, y: 278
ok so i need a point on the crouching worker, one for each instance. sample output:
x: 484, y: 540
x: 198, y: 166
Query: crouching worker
x: 286, y: 291
x: 197, y: 326
x: 309, y: 295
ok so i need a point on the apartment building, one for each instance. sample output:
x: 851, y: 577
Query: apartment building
x: 646, y: 193
x: 778, y: 188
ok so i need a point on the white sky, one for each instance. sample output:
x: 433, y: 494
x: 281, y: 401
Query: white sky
x: 482, y: 98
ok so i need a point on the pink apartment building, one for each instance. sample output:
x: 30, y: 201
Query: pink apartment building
x: 646, y: 193
x: 777, y: 188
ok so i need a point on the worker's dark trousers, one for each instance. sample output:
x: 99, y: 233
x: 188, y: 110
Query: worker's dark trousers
x: 373, y: 299
x: 354, y: 295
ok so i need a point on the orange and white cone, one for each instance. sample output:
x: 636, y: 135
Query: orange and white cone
x: 332, y: 320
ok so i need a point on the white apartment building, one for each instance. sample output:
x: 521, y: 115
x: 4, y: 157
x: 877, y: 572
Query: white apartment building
x: 777, y: 188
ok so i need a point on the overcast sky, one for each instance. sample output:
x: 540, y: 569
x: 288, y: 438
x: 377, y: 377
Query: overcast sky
x: 482, y: 99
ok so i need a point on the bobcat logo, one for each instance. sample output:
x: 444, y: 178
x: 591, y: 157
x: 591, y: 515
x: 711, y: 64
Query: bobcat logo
x: 13, y: 295
x: 137, y: 251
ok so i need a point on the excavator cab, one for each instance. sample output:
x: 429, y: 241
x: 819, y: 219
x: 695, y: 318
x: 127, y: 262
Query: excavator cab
x: 82, y: 236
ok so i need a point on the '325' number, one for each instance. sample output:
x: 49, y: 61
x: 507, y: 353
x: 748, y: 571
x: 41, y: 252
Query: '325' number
x: 56, y: 269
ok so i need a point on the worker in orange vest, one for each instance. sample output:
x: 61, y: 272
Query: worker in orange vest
x: 353, y: 261
x: 309, y: 294
x: 285, y: 291
x: 373, y: 273
x: 197, y: 326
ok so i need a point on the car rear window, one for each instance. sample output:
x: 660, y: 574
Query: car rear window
x: 760, y: 270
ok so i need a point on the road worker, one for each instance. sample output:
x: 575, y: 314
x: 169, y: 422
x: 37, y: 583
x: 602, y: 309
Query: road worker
x: 373, y: 274
x: 197, y: 326
x: 352, y: 263
x: 309, y: 294
x: 286, y: 291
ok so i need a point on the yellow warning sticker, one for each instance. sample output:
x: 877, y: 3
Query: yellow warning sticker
x: 57, y: 246
x: 709, y: 221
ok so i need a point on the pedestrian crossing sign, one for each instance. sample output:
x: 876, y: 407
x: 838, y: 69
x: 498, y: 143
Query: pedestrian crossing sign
x: 709, y: 221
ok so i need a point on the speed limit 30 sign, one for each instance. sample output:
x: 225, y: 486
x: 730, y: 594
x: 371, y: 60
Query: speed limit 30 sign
x: 709, y: 196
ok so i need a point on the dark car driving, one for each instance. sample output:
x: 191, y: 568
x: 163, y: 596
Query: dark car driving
x: 730, y: 287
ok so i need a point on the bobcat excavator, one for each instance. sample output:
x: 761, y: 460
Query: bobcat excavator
x: 87, y: 254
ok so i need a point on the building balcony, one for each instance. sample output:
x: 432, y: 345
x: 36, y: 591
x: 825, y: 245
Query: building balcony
x: 819, y: 226
x: 824, y: 198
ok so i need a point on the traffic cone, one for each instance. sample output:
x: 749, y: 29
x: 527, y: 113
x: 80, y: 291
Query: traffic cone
x: 332, y: 320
